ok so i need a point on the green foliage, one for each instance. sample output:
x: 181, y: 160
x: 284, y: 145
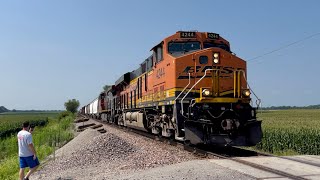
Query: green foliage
x: 72, y: 105
x: 9, y: 168
x: 107, y: 87
x: 288, y: 132
x: 64, y: 114
x: 55, y: 134
x: 300, y: 141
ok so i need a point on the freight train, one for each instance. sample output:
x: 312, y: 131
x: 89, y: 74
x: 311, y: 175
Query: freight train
x: 192, y: 88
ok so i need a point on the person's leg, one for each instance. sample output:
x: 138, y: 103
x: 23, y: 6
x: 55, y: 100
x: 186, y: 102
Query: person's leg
x: 32, y: 170
x: 21, y: 173
x: 33, y: 164
x: 23, y: 164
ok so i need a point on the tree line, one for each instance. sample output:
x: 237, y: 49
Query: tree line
x: 3, y: 110
x: 291, y: 107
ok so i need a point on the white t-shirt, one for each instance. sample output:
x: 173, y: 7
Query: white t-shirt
x: 24, y: 139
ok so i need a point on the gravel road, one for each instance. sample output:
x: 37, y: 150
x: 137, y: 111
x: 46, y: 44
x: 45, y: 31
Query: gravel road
x: 113, y: 155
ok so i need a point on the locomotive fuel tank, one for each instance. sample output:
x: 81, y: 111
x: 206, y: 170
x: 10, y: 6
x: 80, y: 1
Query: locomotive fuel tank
x: 134, y: 120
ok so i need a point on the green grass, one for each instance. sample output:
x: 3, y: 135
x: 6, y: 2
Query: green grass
x: 290, y: 132
x: 46, y: 139
x: 11, y: 122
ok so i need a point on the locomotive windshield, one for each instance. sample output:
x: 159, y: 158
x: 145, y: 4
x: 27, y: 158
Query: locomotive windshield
x: 183, y: 47
x: 222, y: 46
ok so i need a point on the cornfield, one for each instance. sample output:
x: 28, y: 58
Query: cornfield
x: 288, y: 132
x: 10, y: 123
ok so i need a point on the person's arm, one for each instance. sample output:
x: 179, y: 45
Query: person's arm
x: 30, y: 144
x: 31, y: 130
x: 33, y: 151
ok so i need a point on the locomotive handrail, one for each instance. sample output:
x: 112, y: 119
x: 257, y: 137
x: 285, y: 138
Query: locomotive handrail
x: 183, y: 90
x: 205, y: 74
x: 192, y: 104
x: 237, y: 83
x: 258, y: 101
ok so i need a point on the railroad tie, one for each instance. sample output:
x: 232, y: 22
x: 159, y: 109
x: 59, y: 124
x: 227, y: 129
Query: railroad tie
x: 102, y: 131
x: 87, y: 125
x: 96, y: 126
x: 81, y: 120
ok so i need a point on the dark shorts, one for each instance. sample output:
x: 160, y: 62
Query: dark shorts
x: 28, y: 162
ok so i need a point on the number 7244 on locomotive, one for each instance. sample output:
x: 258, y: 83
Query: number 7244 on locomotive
x: 192, y: 88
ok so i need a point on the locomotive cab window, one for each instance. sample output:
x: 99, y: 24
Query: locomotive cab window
x: 179, y: 48
x: 211, y: 44
x: 144, y: 67
x: 158, y: 53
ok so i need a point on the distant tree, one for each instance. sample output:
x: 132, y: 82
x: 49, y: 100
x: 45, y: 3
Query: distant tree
x: 106, y: 87
x: 3, y: 109
x: 72, y: 105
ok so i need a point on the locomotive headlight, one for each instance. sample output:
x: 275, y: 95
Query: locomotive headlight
x: 206, y: 92
x: 246, y: 92
x: 216, y: 58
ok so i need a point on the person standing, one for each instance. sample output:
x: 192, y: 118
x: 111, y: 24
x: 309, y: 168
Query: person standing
x: 27, y: 153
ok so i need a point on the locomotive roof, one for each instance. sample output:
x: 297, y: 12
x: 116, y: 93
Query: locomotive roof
x: 187, y: 35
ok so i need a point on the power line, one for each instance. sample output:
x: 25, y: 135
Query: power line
x: 283, y: 47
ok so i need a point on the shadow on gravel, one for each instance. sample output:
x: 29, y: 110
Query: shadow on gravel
x: 227, y: 152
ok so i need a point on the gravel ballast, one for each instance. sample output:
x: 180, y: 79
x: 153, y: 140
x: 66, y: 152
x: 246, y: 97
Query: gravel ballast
x: 112, y: 155
x: 191, y: 170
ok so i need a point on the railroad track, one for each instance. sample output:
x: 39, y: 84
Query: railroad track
x: 216, y: 152
x: 230, y: 153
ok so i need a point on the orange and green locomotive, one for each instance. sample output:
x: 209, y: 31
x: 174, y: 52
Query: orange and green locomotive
x: 192, y: 88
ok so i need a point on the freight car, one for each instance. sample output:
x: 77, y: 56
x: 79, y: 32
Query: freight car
x: 192, y: 88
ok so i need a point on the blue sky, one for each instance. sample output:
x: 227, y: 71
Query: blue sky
x: 51, y: 51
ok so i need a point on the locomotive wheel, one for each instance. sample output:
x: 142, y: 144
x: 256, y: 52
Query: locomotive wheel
x: 187, y: 143
x: 160, y: 133
x: 171, y: 139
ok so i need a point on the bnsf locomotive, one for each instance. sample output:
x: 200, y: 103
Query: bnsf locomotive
x: 192, y: 88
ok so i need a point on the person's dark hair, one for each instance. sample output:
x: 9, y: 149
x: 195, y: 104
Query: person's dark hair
x: 26, y: 124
